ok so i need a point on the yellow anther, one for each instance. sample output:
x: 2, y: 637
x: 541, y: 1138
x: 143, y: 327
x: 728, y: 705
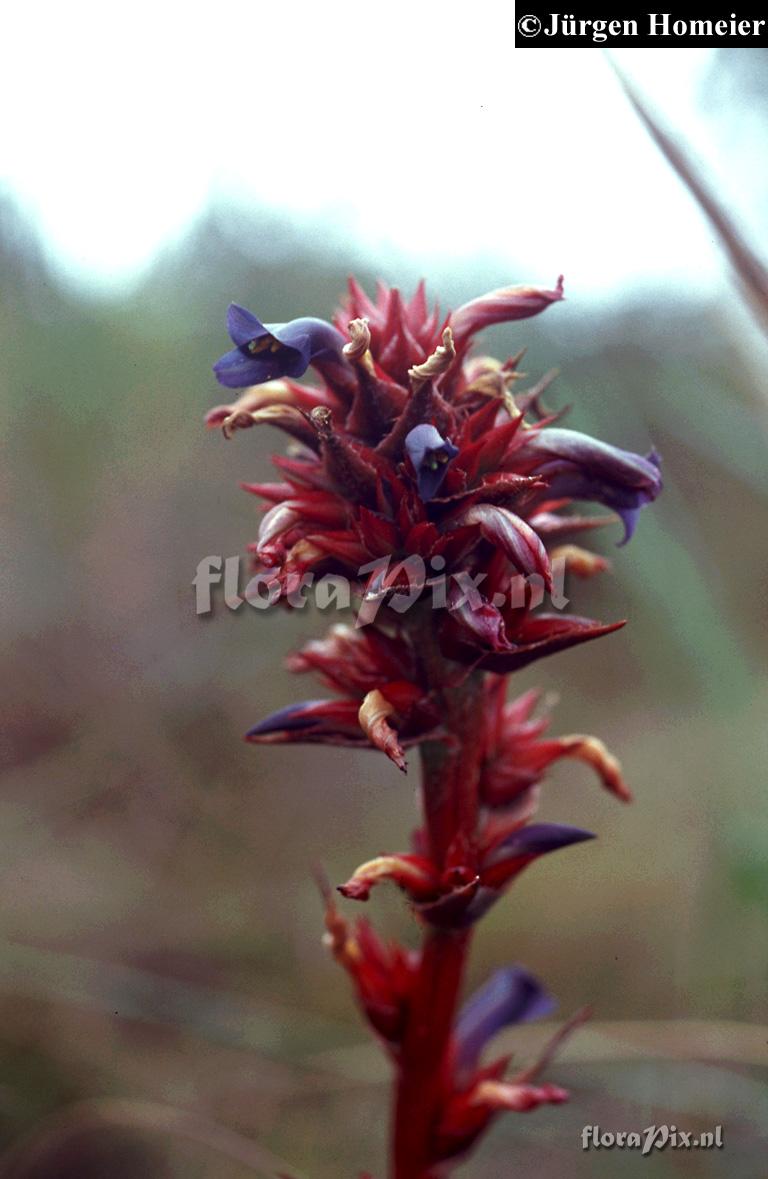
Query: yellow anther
x: 256, y: 346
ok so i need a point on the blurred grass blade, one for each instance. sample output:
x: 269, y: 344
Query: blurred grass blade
x: 40, y: 1149
x: 748, y: 266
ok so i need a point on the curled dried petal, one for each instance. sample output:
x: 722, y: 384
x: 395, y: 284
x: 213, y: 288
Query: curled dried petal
x: 593, y: 751
x: 436, y: 364
x: 237, y: 416
x: 580, y: 561
x: 359, y: 340
x: 414, y: 874
x: 518, y: 1098
x: 277, y: 413
x: 374, y: 721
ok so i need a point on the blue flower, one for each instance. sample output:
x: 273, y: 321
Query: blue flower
x: 536, y: 839
x: 266, y: 351
x: 430, y: 455
x: 581, y: 467
x: 511, y: 995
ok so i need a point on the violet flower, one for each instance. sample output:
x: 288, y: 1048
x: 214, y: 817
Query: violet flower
x: 581, y: 467
x: 266, y: 351
x: 430, y: 455
x: 511, y: 995
x: 532, y: 841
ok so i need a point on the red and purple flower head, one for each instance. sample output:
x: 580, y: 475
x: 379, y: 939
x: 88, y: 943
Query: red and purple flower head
x: 446, y: 498
x: 412, y: 451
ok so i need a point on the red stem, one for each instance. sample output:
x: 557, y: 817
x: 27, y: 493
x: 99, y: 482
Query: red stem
x: 450, y: 784
x: 422, y: 1079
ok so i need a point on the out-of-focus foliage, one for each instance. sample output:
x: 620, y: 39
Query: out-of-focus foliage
x: 160, y: 929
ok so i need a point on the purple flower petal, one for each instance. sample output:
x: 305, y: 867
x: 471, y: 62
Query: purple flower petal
x: 237, y: 370
x: 325, y: 722
x: 320, y: 339
x: 293, y: 717
x: 511, y: 995
x: 266, y: 352
x: 581, y: 467
x: 430, y: 455
x: 243, y: 326
x: 536, y: 840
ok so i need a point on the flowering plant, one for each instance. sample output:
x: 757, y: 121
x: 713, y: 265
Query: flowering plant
x: 411, y: 448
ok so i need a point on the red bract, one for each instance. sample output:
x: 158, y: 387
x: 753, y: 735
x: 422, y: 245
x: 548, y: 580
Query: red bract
x: 514, y: 759
x: 444, y: 498
x: 368, y: 480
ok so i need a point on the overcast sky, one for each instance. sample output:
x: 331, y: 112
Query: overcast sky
x: 413, y: 127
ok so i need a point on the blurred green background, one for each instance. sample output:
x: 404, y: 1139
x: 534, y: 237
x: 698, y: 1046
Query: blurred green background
x: 160, y: 928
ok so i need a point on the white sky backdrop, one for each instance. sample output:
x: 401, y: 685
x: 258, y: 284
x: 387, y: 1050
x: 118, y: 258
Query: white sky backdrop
x: 415, y: 127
